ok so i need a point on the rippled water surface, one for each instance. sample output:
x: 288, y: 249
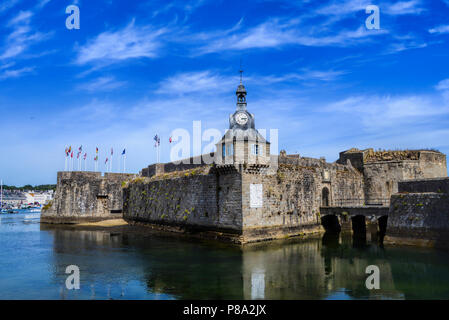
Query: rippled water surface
x: 129, y: 265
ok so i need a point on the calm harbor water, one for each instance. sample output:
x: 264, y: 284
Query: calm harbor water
x: 128, y: 265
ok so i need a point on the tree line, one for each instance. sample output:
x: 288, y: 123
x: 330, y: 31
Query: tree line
x: 41, y: 187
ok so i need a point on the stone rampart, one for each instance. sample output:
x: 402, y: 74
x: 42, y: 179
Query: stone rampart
x: 190, y: 199
x: 419, y: 219
x: 382, y: 170
x: 438, y: 185
x: 86, y: 196
x: 220, y: 198
x: 181, y: 165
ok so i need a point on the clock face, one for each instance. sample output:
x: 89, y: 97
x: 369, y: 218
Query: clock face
x: 241, y: 118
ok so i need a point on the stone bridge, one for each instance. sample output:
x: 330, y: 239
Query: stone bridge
x: 352, y: 211
x: 355, y: 218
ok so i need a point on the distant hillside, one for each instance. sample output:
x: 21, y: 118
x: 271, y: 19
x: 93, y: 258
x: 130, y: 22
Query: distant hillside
x: 42, y: 187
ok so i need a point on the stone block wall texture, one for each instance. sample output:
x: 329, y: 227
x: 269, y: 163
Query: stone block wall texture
x: 419, y: 218
x: 192, y: 198
x: 292, y: 197
x: 86, y: 196
x: 439, y: 185
x: 218, y: 198
x: 382, y: 170
x: 184, y: 164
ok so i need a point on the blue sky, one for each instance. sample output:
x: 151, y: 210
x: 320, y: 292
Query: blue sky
x: 137, y: 68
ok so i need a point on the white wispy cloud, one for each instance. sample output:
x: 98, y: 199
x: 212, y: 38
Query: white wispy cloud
x: 22, y: 17
x: 7, y: 4
x: 202, y: 81
x: 276, y: 33
x: 443, y: 85
x: 342, y: 9
x: 128, y: 43
x: 15, y: 73
x: 43, y: 3
x: 412, y: 7
x: 405, y: 45
x: 440, y: 29
x: 383, y: 111
x: 209, y: 82
x: 22, y: 36
x: 102, y: 84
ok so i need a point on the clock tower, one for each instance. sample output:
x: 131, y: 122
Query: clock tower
x: 242, y: 143
x: 241, y: 118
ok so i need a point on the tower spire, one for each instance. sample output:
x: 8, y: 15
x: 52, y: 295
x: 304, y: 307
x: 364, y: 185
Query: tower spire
x: 241, y: 91
x: 241, y: 72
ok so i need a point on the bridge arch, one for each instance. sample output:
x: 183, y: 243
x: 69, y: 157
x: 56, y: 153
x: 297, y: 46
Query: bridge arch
x: 331, y: 223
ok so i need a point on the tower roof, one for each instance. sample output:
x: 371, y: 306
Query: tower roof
x: 241, y: 89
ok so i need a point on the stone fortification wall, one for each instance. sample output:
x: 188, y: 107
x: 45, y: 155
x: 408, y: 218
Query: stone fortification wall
x: 220, y: 197
x: 185, y: 164
x: 382, y: 170
x: 419, y: 219
x: 293, y: 195
x: 438, y: 185
x: 195, y: 198
x: 86, y: 196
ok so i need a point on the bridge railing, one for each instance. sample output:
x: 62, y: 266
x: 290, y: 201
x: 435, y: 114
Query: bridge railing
x: 360, y: 202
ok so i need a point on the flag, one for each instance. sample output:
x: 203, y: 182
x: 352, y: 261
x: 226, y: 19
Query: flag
x: 157, y: 140
x: 66, y: 152
x: 70, y: 149
x: 80, y: 149
x: 85, y: 156
x: 78, y: 155
x: 96, y: 158
x: 123, y: 151
x: 170, y: 140
x: 96, y: 150
x: 112, y: 151
x: 71, y: 155
x: 106, y: 161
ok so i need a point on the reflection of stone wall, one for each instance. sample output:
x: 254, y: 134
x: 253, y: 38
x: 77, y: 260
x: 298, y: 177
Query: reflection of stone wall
x: 176, y: 268
x: 86, y: 196
x: 310, y: 270
x: 283, y: 272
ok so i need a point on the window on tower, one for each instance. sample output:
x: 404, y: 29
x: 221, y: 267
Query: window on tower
x: 227, y: 150
x: 223, y: 150
x: 255, y: 149
x: 230, y: 150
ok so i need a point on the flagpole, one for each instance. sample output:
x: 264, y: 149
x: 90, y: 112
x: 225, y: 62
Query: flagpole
x: 124, y: 163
